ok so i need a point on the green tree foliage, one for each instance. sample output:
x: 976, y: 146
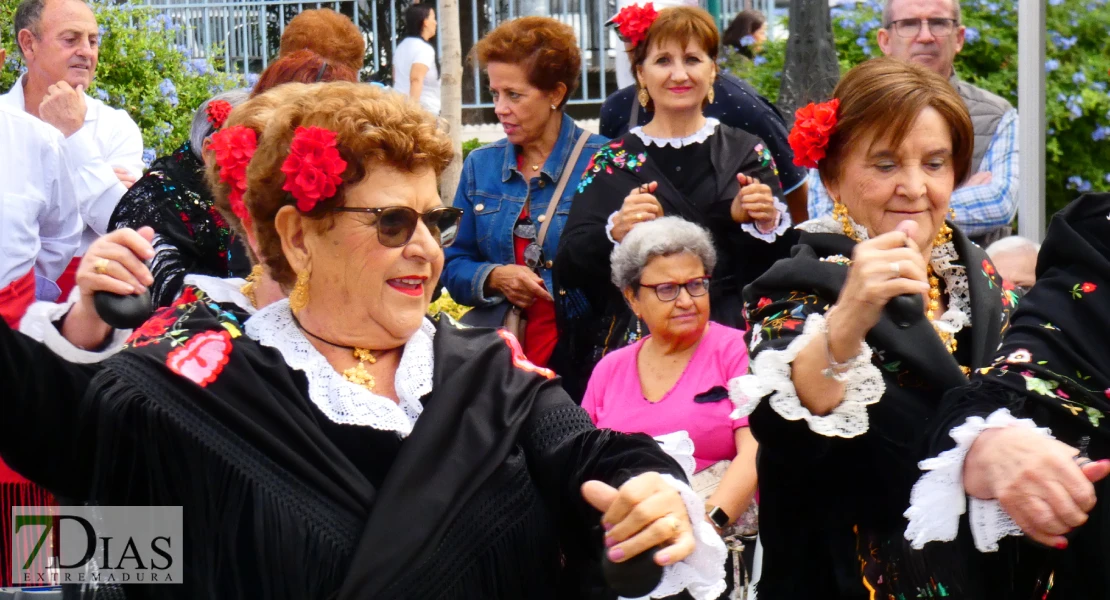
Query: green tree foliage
x: 140, y: 70
x: 1077, y: 69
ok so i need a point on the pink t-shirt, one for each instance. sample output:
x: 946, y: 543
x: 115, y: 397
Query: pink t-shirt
x: 698, y: 403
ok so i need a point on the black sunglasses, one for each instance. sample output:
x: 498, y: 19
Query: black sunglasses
x: 397, y: 224
x: 668, y: 292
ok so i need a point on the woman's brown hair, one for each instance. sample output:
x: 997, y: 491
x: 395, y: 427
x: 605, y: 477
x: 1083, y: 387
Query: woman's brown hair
x: 682, y: 24
x: 883, y: 97
x: 327, y: 33
x: 374, y: 127
x: 544, y: 47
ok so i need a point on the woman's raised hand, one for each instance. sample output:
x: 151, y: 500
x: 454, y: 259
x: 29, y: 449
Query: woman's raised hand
x: 1036, y: 479
x: 113, y: 263
x: 754, y: 202
x: 639, y: 205
x: 519, y: 284
x: 882, y: 268
x: 642, y: 514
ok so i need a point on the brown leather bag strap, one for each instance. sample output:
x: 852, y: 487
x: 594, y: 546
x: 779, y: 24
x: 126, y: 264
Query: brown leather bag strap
x: 568, y: 171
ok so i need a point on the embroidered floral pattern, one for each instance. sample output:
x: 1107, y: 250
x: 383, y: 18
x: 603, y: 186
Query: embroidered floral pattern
x: 1079, y: 289
x: 610, y: 156
x: 202, y: 358
x: 765, y: 158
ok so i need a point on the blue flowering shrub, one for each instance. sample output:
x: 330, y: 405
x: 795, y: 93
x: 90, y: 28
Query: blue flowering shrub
x: 1077, y: 71
x: 140, y: 70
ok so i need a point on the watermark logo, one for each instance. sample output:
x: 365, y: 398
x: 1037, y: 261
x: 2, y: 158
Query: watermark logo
x: 54, y: 545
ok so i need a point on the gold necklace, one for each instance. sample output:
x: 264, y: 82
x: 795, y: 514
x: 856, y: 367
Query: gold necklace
x: 357, y: 374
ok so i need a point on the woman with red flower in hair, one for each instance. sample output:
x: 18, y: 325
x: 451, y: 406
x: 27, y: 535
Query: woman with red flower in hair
x: 882, y: 308
x: 679, y: 164
x: 343, y: 420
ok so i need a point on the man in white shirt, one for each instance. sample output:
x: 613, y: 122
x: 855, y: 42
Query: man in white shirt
x: 40, y: 225
x: 59, y: 40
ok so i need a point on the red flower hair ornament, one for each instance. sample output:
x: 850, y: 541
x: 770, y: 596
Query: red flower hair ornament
x: 633, y: 22
x: 233, y: 148
x: 813, y: 126
x: 313, y: 167
x: 218, y: 111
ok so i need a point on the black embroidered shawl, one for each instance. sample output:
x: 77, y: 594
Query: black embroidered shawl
x: 192, y: 236
x: 593, y: 316
x: 833, y: 506
x: 481, y: 501
x: 1054, y: 366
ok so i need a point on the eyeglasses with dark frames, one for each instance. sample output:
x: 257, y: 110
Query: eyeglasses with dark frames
x: 397, y: 224
x: 668, y: 292
x: 909, y: 28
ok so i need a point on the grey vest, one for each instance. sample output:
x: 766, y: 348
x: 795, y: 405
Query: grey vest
x: 986, y: 111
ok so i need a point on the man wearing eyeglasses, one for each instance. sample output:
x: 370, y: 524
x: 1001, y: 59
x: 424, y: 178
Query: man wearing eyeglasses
x: 929, y: 32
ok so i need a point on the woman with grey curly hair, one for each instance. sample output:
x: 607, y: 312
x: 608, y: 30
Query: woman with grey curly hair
x: 681, y: 368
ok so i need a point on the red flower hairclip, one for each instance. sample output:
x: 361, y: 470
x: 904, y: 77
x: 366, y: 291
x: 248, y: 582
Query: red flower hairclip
x: 313, y: 167
x: 234, y: 148
x: 633, y: 22
x: 218, y: 111
x: 813, y: 126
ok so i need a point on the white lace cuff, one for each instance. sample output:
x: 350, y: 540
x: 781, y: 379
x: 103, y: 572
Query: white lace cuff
x: 703, y: 572
x: 938, y: 498
x: 609, y: 225
x: 38, y: 324
x: 772, y: 375
x: 680, y: 446
x: 782, y: 223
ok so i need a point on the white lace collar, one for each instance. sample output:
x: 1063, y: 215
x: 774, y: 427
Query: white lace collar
x: 227, y: 291
x: 943, y: 259
x: 697, y: 137
x: 340, y: 400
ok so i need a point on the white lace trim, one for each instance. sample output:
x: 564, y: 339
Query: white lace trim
x: 224, y: 291
x: 697, y: 137
x: 38, y: 324
x: 938, y: 498
x: 943, y: 260
x: 771, y: 375
x: 610, y: 223
x: 703, y: 572
x: 782, y: 225
x: 340, y: 400
x: 680, y: 446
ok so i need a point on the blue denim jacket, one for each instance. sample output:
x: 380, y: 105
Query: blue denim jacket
x: 492, y: 193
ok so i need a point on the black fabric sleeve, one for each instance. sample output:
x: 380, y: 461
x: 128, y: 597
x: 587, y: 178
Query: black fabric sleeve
x: 48, y: 433
x: 584, y: 246
x: 564, y: 450
x: 615, y: 112
x: 145, y: 205
x: 758, y: 255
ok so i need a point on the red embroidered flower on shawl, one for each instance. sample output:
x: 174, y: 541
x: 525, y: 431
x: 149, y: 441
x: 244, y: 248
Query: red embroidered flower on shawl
x: 154, y: 327
x: 202, y: 358
x: 633, y: 22
x: 218, y: 111
x: 313, y: 167
x: 813, y: 125
x: 1088, y: 287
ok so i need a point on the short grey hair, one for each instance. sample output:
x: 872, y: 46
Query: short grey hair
x: 1013, y: 243
x: 28, y: 15
x: 202, y: 128
x: 888, y: 9
x: 665, y: 236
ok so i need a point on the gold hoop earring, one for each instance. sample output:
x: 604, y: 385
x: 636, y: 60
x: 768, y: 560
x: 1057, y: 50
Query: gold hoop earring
x: 710, y: 96
x: 644, y: 97
x: 298, y: 298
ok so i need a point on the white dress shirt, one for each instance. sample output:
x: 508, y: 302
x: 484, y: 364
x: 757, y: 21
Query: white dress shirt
x: 40, y: 225
x: 108, y: 139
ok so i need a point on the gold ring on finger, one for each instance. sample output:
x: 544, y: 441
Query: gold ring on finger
x: 674, y: 524
x: 101, y: 266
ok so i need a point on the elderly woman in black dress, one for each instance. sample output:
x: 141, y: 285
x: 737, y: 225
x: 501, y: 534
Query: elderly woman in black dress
x: 840, y: 393
x: 342, y: 421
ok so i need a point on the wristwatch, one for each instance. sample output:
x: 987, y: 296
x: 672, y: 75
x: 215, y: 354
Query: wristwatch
x: 719, y: 517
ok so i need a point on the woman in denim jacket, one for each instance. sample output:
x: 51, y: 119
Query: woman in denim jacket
x: 534, y: 66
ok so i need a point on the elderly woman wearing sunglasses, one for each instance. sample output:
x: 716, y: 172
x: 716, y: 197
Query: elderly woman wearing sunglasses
x: 342, y: 420
x: 674, y: 380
